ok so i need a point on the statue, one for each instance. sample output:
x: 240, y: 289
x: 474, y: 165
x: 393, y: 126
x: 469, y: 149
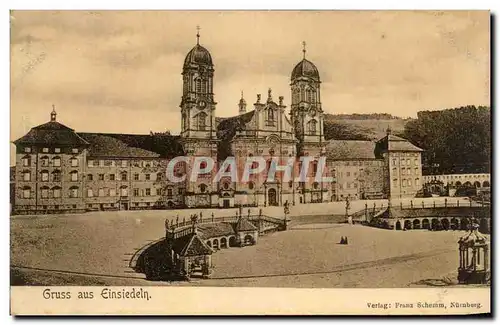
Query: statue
x: 166, y: 224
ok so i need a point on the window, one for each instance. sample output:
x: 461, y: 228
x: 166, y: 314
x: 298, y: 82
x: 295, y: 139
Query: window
x: 56, y: 161
x: 90, y: 163
x: 45, y: 192
x: 101, y: 176
x: 417, y: 182
x: 203, y: 188
x: 27, y: 150
x: 90, y: 177
x: 123, y: 191
x: 409, y: 182
x: 45, y: 150
x: 101, y: 163
x: 408, y: 162
x: 74, y: 162
x: 348, y: 174
x: 57, y: 150
x: 290, y: 184
x: 74, y: 150
x: 124, y: 163
x: 44, y: 161
x: 111, y: 177
x: 225, y: 186
x: 56, y: 176
x: 74, y: 176
x: 198, y: 85
x: 181, y: 191
x: 148, y: 177
x: 169, y: 192
x: 136, y: 177
x: 202, y: 121
x: 159, y: 176
x: 101, y: 192
x: 403, y: 183
x: 90, y: 193
x: 45, y: 176
x: 26, y: 192
x: 26, y: 161
x: 312, y: 126
x: 394, y: 162
x: 416, y: 161
x: 148, y: 192
x: 112, y: 192
x: 136, y: 192
x: 123, y: 176
x: 107, y: 163
x: 395, y: 181
x: 73, y: 192
x: 26, y: 176
x: 315, y: 185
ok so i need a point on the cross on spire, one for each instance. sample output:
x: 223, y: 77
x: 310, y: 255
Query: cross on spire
x: 198, y: 34
x: 304, y: 48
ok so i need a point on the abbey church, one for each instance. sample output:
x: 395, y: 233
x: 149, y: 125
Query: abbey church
x: 61, y: 170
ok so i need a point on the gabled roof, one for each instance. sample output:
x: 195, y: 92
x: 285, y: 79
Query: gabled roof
x: 51, y: 133
x: 191, y: 245
x: 215, y: 230
x: 350, y: 149
x: 394, y: 143
x: 133, y: 145
x: 244, y: 225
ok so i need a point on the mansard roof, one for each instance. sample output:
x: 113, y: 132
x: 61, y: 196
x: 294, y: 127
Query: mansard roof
x: 133, y: 145
x: 51, y: 133
x: 350, y: 149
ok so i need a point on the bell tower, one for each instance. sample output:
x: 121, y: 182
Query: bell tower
x: 306, y: 111
x: 197, y: 103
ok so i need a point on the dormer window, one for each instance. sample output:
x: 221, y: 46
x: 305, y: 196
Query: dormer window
x: 27, y: 150
x: 57, y: 150
x: 45, y: 150
x: 74, y: 150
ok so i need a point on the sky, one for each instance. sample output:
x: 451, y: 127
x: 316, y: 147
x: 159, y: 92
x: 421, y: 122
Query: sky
x: 120, y: 71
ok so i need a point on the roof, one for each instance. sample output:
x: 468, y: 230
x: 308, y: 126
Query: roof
x: 191, y: 245
x: 394, y: 143
x: 133, y: 145
x: 305, y: 68
x: 198, y: 56
x: 215, y: 230
x: 51, y: 133
x: 350, y: 149
x: 226, y: 130
x: 244, y: 225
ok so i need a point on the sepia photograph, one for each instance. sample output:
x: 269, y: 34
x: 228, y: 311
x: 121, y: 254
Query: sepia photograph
x: 156, y: 154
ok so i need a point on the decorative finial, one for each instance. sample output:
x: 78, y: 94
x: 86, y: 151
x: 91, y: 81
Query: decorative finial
x: 198, y: 35
x: 304, y: 48
x: 258, y: 98
x: 53, y: 114
x: 281, y: 100
x: 242, y: 94
x: 269, y: 95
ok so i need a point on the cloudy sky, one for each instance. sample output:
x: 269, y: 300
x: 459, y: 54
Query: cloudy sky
x: 120, y: 71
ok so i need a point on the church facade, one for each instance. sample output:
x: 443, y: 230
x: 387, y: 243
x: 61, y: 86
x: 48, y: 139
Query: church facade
x: 61, y: 170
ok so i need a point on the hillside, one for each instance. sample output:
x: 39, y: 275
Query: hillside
x: 361, y: 126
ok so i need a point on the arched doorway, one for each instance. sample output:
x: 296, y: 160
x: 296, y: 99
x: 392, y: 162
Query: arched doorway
x: 464, y: 224
x: 425, y: 224
x: 398, y: 225
x: 209, y: 243
x: 272, y: 197
x: 483, y: 226
x: 434, y: 224
x: 458, y: 183
x: 216, y: 244
x: 467, y: 184
x: 416, y: 224
x: 232, y: 241
x: 454, y: 224
x: 170, y: 204
x: 407, y: 224
x: 477, y: 184
x: 249, y: 240
x: 445, y: 223
x: 223, y: 242
x: 486, y: 184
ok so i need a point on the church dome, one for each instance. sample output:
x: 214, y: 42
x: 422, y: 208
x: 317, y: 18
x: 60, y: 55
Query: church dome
x: 198, y: 56
x: 305, y: 68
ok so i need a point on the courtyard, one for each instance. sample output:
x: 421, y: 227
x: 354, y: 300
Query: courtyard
x: 99, y: 247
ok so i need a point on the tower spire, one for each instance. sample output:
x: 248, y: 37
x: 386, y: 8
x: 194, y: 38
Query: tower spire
x: 198, y: 35
x: 53, y: 114
x: 304, y: 48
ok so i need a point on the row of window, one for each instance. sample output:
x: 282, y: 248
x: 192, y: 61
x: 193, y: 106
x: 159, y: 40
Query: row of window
x: 405, y: 162
x: 47, y: 193
x: 45, y: 161
x: 56, y: 176
x: 406, y: 171
x: 363, y: 163
x: 48, y: 150
x: 406, y: 182
x: 308, y: 95
x: 123, y: 177
x: 121, y: 163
